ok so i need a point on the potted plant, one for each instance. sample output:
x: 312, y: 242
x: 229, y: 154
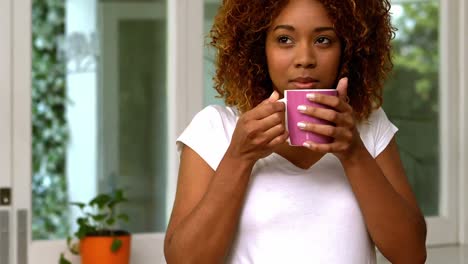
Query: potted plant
x: 97, y: 240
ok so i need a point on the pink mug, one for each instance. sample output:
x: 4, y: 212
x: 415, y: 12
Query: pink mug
x: 294, y: 98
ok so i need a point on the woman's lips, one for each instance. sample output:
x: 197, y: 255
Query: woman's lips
x: 304, y: 82
x: 304, y: 85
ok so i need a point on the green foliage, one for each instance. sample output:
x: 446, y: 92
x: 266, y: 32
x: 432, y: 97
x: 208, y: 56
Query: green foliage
x: 116, y: 244
x: 412, y: 100
x: 49, y: 126
x: 416, y: 58
x: 98, y: 217
x: 63, y: 260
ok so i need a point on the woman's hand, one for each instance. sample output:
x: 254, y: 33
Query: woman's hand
x: 345, y: 134
x: 259, y: 130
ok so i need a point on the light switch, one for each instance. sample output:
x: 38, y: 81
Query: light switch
x: 5, y: 196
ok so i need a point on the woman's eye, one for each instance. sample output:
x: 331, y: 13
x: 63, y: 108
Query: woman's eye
x: 284, y: 40
x: 323, y: 40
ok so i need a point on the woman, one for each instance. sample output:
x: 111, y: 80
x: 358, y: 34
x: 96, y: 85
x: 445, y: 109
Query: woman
x: 244, y: 195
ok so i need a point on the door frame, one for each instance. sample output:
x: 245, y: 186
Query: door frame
x: 6, y: 211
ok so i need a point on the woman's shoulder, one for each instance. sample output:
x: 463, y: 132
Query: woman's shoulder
x: 218, y: 112
x: 221, y: 109
x: 376, y: 131
x: 377, y: 116
x: 209, y: 133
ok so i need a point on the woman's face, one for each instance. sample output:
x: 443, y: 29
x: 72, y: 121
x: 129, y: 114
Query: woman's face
x: 302, y: 48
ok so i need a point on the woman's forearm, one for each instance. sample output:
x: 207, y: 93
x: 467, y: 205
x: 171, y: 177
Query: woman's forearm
x: 397, y: 228
x: 206, y: 234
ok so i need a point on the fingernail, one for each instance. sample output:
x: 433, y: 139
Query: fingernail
x: 302, y: 108
x: 301, y: 125
x: 310, y: 96
x: 307, y: 145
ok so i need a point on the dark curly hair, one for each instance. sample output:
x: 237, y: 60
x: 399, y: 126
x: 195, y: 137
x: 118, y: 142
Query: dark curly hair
x: 239, y: 32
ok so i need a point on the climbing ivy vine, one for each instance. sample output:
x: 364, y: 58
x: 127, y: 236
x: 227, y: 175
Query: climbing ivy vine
x: 49, y: 126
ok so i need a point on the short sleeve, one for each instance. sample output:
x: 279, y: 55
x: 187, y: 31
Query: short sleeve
x: 377, y: 132
x: 208, y: 135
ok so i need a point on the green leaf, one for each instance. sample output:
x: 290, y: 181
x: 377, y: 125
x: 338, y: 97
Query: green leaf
x: 80, y: 205
x: 117, y: 198
x: 74, y: 248
x: 119, y: 195
x: 100, y: 201
x: 82, y: 221
x: 99, y: 217
x: 123, y: 217
x: 83, y: 230
x: 63, y: 260
x: 116, y: 244
x: 110, y: 221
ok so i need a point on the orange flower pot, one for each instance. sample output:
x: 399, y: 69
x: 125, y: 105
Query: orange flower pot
x: 97, y: 250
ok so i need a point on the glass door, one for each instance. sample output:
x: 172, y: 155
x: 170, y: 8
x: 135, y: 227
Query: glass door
x: 101, y: 91
x: 99, y: 120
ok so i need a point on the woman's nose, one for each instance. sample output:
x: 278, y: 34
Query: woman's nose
x: 305, y: 57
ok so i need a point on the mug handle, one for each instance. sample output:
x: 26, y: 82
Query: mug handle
x: 284, y: 101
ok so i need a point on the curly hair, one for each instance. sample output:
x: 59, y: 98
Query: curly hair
x: 239, y: 32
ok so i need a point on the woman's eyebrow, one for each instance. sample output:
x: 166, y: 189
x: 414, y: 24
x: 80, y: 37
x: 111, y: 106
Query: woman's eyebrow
x: 291, y: 28
x: 321, y: 29
x: 287, y: 27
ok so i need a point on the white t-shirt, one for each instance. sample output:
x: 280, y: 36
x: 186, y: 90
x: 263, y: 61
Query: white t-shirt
x: 293, y: 215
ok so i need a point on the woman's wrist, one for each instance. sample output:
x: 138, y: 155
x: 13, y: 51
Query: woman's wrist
x: 239, y: 161
x: 355, y: 156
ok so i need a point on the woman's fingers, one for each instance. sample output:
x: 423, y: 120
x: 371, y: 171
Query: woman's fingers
x: 261, y: 132
x: 278, y: 140
x: 334, y: 147
x: 271, y: 121
x: 339, y: 133
x: 266, y: 138
x: 265, y: 109
x: 342, y: 88
x: 261, y: 125
x: 337, y: 103
x: 344, y: 130
x: 342, y: 119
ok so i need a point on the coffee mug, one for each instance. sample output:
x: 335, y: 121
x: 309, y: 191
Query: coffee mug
x: 295, y: 98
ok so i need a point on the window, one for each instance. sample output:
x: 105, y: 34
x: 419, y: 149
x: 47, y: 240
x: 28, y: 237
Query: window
x: 209, y: 95
x: 411, y: 98
x: 420, y: 97
x: 99, y: 110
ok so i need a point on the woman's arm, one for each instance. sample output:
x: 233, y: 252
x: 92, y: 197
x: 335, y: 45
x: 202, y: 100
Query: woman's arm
x: 208, y: 203
x: 206, y: 209
x: 389, y: 207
